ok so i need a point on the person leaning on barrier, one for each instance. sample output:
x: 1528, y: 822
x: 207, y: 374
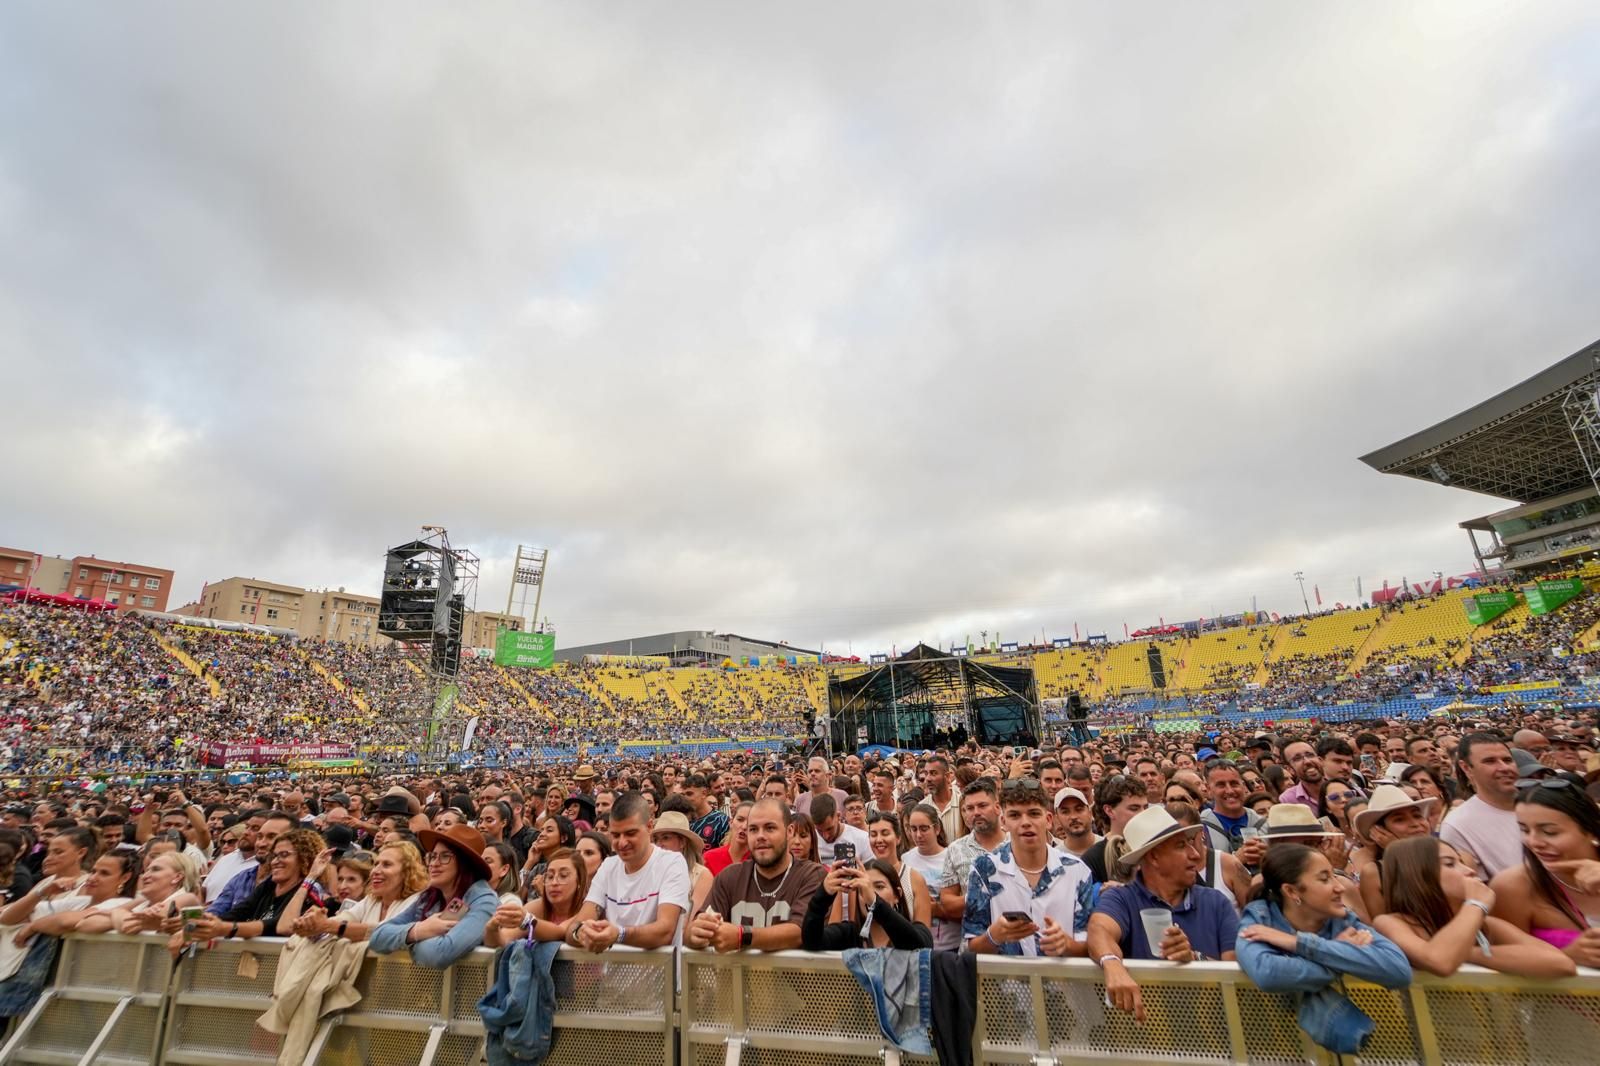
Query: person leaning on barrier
x: 453, y: 912
x: 878, y: 914
x: 1298, y: 937
x: 642, y: 890
x: 397, y: 878
x: 1166, y: 857
x: 1051, y: 893
x: 166, y: 886
x: 66, y: 863
x: 1554, y: 893
x: 759, y: 904
x: 552, y: 915
x: 109, y: 885
x: 288, y: 868
x: 1437, y: 912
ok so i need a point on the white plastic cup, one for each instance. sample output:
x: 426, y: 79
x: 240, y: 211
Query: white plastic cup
x: 1157, y: 920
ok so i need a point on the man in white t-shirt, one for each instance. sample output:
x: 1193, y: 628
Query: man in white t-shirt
x: 832, y: 830
x: 1486, y: 825
x: 639, y: 895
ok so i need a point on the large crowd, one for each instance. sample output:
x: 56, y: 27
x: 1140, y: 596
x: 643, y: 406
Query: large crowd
x: 1373, y: 852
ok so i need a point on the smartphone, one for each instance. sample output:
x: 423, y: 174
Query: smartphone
x: 1369, y: 763
x: 844, y: 853
x: 1016, y: 916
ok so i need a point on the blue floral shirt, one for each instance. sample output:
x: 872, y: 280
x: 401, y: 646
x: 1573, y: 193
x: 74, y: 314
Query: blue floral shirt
x: 1065, y: 891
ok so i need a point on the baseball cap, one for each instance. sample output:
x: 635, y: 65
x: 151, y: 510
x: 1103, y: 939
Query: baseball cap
x: 1070, y: 793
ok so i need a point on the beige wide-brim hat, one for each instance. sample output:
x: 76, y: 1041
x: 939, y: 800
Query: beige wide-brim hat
x: 1149, y: 828
x: 1386, y: 799
x: 674, y: 822
x: 585, y: 773
x: 1286, y: 821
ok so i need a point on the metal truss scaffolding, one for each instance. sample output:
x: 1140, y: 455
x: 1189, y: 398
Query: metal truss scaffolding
x: 926, y: 698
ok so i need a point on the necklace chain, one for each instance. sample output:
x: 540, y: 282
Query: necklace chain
x: 755, y: 873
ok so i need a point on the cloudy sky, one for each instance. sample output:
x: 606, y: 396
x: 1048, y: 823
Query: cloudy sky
x: 846, y: 323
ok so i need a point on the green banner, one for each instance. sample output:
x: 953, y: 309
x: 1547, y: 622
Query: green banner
x: 512, y: 648
x: 1485, y: 607
x: 1545, y: 596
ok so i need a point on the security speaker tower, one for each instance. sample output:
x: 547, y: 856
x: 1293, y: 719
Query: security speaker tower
x: 427, y: 588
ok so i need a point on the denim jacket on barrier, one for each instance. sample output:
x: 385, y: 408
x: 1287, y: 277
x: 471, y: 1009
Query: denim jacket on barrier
x: 1313, y: 974
x: 901, y: 990
x: 519, y: 1009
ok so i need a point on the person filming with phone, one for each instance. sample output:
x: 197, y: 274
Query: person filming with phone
x: 876, y: 911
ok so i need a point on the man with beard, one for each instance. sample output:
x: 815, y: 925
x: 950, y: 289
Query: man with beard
x: 1302, y: 759
x: 1074, y: 822
x: 759, y: 904
x: 980, y: 806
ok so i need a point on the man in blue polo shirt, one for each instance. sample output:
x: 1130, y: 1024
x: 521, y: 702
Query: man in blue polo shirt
x: 1167, y: 856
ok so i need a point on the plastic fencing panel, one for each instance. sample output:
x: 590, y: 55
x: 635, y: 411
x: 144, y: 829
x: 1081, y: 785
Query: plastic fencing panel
x: 217, y: 995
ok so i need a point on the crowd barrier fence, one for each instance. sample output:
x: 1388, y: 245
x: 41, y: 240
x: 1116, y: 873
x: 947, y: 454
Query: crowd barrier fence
x: 120, y: 1001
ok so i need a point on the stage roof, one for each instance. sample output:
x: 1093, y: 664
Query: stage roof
x: 1515, y: 445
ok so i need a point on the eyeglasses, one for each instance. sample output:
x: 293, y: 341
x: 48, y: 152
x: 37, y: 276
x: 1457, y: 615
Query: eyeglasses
x: 440, y: 858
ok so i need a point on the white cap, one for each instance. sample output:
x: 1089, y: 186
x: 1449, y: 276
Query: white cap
x: 1071, y: 793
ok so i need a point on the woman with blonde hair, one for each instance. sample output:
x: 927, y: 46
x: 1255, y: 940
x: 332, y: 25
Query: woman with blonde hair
x: 170, y: 883
x: 397, y: 877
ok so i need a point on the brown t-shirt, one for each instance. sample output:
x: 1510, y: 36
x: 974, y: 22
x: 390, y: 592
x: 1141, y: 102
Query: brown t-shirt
x: 742, y: 894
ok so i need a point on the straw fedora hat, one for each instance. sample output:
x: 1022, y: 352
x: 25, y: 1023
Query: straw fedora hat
x: 1150, y: 827
x: 585, y: 773
x: 1294, y: 820
x: 675, y: 822
x: 1386, y: 799
x: 464, y: 840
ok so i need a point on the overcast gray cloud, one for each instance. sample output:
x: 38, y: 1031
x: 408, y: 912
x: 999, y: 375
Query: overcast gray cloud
x: 855, y: 323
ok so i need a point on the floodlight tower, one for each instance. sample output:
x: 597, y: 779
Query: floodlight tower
x: 527, y: 575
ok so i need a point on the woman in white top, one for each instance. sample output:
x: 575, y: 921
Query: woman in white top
x: 397, y: 877
x: 166, y: 886
x: 883, y: 830
x: 66, y: 864
x: 109, y: 885
x: 925, y: 832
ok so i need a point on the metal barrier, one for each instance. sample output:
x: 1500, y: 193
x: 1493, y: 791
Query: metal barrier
x: 800, y: 1009
x: 106, y: 1005
x: 119, y: 1000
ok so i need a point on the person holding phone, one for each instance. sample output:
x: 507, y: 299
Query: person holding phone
x: 879, y: 915
x: 1028, y: 897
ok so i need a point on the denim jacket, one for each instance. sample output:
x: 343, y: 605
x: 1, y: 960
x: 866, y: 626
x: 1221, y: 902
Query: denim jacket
x: 1312, y: 975
x: 439, y: 951
x: 520, y: 1009
x: 901, y: 990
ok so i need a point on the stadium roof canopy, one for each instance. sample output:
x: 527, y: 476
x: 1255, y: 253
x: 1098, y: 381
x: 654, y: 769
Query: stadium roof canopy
x: 1517, y: 445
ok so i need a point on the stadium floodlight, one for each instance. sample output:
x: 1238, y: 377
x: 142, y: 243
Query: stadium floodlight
x: 527, y: 576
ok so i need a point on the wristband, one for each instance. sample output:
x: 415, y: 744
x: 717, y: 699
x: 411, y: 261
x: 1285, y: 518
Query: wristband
x: 1478, y: 903
x: 1108, y: 957
x: 622, y: 934
x: 234, y: 931
x: 342, y: 927
x: 746, y: 936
